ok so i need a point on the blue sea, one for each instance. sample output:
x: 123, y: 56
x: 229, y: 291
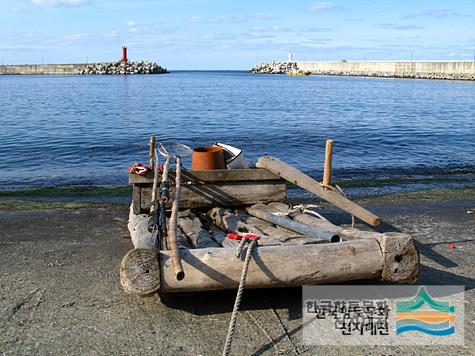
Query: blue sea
x: 59, y: 131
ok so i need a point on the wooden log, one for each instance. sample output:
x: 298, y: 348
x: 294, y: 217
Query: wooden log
x: 194, y: 230
x: 346, y: 233
x: 261, y: 211
x: 327, y: 169
x: 151, y: 153
x: 139, y: 234
x: 140, y: 272
x: 330, y: 194
x: 230, y: 222
x: 220, y: 237
x: 139, y: 269
x: 287, y: 237
x: 172, y: 231
x: 224, y: 219
x: 164, y: 186
x: 273, y: 233
x: 275, y: 266
x: 393, y: 258
x: 400, y: 256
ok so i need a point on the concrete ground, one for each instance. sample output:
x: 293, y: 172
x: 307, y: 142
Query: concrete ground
x: 60, y: 292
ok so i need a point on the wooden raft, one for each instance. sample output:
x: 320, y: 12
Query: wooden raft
x: 289, y: 256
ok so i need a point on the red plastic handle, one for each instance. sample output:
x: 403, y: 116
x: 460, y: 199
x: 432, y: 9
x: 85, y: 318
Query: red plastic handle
x: 240, y: 237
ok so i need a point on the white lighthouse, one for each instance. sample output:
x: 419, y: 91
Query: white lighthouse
x: 291, y: 56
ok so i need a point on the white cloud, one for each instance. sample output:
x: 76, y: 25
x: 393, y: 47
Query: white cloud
x: 75, y: 37
x: 59, y: 3
x: 393, y: 26
x: 323, y: 6
x: 132, y: 25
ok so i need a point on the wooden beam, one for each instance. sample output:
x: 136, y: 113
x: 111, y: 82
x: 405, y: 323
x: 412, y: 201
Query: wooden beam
x: 151, y: 153
x: 327, y: 169
x: 330, y: 194
x: 217, y: 175
x: 229, y: 194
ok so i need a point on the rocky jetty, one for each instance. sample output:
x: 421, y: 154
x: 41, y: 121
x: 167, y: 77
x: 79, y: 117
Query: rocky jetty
x: 275, y: 67
x: 416, y: 70
x: 105, y: 68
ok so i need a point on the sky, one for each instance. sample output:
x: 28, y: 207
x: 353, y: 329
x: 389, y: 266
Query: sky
x: 198, y: 34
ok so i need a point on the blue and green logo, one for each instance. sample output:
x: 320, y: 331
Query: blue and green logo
x: 425, y: 314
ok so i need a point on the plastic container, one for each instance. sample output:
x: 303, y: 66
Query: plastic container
x: 207, y: 158
x: 233, y: 156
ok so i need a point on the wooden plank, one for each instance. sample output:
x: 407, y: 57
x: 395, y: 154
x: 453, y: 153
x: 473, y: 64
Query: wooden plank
x: 217, y: 175
x: 329, y: 193
x: 228, y: 195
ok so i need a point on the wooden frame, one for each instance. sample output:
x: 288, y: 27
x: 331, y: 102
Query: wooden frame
x: 236, y: 187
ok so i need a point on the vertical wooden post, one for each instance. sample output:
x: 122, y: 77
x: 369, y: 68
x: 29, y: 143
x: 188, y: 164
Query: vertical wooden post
x: 327, y: 171
x: 152, y: 152
x: 172, y: 231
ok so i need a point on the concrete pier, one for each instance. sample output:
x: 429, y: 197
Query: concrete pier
x: 43, y: 69
x: 460, y: 70
x: 102, y: 68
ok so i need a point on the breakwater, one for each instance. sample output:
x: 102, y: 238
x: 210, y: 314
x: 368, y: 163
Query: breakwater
x: 102, y: 68
x: 418, y: 70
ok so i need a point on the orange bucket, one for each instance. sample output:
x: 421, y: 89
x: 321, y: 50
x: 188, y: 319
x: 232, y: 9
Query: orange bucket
x: 207, y: 158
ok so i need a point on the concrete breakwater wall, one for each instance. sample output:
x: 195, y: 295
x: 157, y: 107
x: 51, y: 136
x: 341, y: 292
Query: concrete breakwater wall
x: 141, y: 67
x: 27, y: 69
x: 419, y: 70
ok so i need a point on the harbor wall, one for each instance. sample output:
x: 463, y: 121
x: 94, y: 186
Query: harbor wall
x: 42, y: 69
x: 460, y: 70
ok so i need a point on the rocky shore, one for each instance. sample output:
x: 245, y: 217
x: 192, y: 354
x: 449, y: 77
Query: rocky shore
x: 141, y: 67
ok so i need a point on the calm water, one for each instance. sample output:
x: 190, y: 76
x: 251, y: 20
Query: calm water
x: 73, y: 130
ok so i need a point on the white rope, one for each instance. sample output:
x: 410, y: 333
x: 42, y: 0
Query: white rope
x: 237, y: 302
x: 343, y: 193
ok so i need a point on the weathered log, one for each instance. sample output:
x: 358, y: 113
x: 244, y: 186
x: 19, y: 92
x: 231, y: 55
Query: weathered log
x: 330, y: 194
x: 230, y: 222
x: 327, y: 168
x: 139, y: 269
x: 220, y: 237
x: 139, y: 234
x: 172, y: 231
x: 391, y: 258
x: 194, y: 230
x: 348, y: 233
x: 140, y: 272
x: 151, y: 153
x: 261, y: 211
x: 401, y: 258
x: 224, y: 218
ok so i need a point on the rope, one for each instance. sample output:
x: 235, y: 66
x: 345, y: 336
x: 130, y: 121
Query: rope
x: 343, y: 193
x: 237, y: 302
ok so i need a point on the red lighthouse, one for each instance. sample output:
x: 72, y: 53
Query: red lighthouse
x: 124, y: 55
